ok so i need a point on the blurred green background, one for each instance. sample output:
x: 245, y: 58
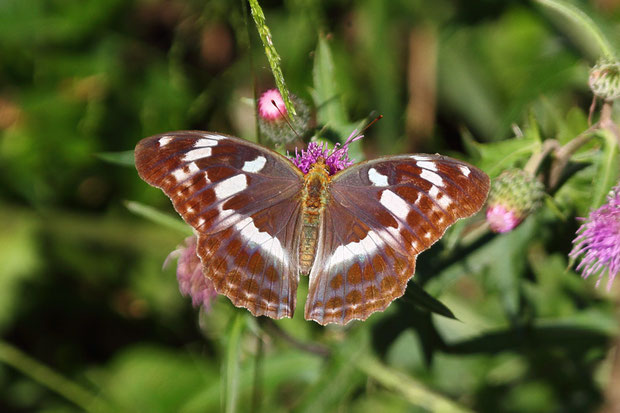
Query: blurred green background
x: 82, y: 290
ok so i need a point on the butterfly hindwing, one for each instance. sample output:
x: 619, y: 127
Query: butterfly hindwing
x: 381, y: 214
x: 242, y: 201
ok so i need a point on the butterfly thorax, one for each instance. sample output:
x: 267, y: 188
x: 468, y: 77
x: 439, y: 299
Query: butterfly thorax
x: 314, y: 198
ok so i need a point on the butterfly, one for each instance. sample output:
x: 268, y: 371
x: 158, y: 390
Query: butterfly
x: 261, y: 222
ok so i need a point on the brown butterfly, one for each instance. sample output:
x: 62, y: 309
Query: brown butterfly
x: 261, y: 222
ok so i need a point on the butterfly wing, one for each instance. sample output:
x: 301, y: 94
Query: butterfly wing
x: 381, y: 214
x: 242, y: 201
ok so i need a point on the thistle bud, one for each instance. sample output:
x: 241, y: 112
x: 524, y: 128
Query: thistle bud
x: 605, y: 79
x: 272, y: 116
x: 515, y: 194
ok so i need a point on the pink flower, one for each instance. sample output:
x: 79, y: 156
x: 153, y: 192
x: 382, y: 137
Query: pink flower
x: 501, y: 219
x: 267, y: 110
x: 598, y: 240
x: 191, y: 280
x: 336, y: 159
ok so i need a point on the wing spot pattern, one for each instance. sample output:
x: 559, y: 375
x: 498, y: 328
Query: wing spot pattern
x: 256, y: 165
x: 205, y: 142
x: 431, y: 166
x: 432, y: 177
x: 196, y: 154
x: 352, y: 250
x: 165, y: 140
x: 271, y: 245
x: 442, y: 199
x: 185, y: 172
x: 466, y: 171
x: 377, y: 178
x: 231, y: 186
x: 395, y: 204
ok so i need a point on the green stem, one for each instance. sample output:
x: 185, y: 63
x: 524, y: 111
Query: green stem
x: 44, y: 375
x: 232, y: 363
x: 272, y: 55
x: 412, y: 390
x: 583, y: 20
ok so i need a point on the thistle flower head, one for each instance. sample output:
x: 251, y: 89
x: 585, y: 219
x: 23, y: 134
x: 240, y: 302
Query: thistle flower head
x: 605, y: 79
x: 273, y: 117
x: 501, y: 219
x: 336, y: 159
x: 515, y: 194
x: 191, y: 280
x: 598, y: 240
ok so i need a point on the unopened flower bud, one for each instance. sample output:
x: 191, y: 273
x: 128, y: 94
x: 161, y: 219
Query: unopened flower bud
x: 273, y: 116
x: 515, y: 194
x: 605, y: 79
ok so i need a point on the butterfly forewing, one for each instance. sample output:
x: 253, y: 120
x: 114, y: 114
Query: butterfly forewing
x: 381, y: 214
x: 243, y: 202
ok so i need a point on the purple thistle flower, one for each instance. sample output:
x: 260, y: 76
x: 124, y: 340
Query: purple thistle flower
x: 336, y: 159
x: 598, y: 240
x: 191, y: 280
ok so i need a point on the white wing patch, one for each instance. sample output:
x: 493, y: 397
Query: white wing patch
x: 270, y: 245
x: 196, y: 154
x: 181, y: 174
x: 203, y: 142
x: 231, y: 186
x: 377, y: 178
x: 256, y: 165
x: 366, y: 246
x: 395, y: 204
x: 466, y: 171
x: 442, y: 199
x: 432, y: 177
x: 164, y: 141
x: 427, y: 165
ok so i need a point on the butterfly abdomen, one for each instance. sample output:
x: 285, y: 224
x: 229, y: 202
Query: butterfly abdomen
x: 314, y: 197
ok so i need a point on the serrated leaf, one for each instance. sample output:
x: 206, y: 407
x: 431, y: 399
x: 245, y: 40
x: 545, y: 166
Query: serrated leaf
x: 498, y: 156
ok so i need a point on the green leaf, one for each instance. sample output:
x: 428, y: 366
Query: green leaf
x: 124, y: 158
x: 558, y: 335
x: 416, y: 295
x: 498, y: 156
x: 327, y: 95
x: 158, y: 217
x: 608, y: 173
x: 272, y: 55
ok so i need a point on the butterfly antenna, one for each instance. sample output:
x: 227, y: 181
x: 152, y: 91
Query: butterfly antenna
x: 372, y: 123
x: 273, y: 102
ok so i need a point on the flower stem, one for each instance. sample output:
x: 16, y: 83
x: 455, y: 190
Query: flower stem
x: 410, y: 389
x: 44, y: 375
x: 582, y: 20
x: 272, y: 55
x: 537, y: 158
x: 563, y: 154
